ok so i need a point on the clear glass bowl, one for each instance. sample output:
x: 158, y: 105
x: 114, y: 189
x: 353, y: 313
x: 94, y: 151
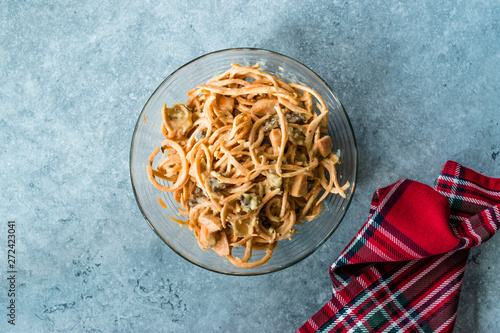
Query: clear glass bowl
x: 147, y: 136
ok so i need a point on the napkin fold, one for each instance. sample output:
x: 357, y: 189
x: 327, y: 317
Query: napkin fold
x: 403, y: 271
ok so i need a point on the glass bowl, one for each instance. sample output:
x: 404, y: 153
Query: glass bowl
x: 147, y: 136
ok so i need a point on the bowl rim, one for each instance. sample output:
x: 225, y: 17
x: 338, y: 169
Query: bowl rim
x: 293, y: 262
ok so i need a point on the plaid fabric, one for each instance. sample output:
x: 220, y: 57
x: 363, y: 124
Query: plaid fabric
x: 404, y: 269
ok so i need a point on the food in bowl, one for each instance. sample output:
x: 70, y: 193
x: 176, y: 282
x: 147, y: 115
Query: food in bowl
x: 246, y: 157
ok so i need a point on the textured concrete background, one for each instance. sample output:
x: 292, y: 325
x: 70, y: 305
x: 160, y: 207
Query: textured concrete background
x: 420, y: 82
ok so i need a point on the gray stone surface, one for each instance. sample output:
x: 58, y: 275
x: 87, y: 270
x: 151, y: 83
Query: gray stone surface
x: 420, y: 82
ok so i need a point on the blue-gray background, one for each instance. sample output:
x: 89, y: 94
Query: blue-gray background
x: 420, y: 82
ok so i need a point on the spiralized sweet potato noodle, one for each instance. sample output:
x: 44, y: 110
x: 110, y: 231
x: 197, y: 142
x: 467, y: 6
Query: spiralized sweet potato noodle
x: 246, y: 157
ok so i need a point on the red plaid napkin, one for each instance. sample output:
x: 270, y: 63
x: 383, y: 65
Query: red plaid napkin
x: 404, y: 269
